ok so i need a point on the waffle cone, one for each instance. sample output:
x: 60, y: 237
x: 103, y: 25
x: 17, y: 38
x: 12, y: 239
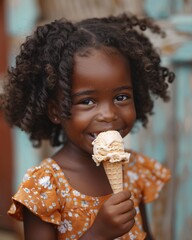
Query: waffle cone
x: 114, y: 173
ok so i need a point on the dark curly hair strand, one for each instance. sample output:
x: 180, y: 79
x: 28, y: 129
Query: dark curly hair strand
x: 45, y: 64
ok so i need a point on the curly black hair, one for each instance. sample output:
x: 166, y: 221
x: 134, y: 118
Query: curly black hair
x: 45, y: 64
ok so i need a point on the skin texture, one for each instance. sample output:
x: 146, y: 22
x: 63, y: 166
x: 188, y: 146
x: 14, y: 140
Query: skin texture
x: 35, y: 229
x: 96, y: 107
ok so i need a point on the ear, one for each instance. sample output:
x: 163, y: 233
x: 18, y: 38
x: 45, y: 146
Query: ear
x: 53, y: 112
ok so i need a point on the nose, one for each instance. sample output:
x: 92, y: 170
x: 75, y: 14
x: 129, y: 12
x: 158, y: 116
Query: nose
x: 107, y: 113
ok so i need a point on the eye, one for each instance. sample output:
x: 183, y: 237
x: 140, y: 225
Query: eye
x: 87, y: 102
x: 121, y: 97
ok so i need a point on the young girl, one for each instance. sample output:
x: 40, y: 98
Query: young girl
x: 72, y: 81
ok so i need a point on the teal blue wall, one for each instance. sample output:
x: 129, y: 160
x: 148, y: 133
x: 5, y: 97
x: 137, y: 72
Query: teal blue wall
x: 25, y: 156
x: 169, y: 137
x: 20, y: 23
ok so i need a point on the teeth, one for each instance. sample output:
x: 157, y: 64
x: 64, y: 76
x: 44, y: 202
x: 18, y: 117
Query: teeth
x: 95, y: 135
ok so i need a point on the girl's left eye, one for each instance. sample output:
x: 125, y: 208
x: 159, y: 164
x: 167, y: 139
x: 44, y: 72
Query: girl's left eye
x: 87, y: 102
x: 121, y: 98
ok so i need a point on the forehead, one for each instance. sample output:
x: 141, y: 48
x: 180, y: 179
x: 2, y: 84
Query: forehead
x: 100, y: 65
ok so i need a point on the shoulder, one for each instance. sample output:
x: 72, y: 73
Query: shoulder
x: 139, y: 160
x: 146, y: 174
x: 40, y: 192
x: 48, y: 167
x: 42, y: 181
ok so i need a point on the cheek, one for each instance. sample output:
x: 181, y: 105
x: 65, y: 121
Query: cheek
x: 130, y: 115
x: 130, y: 111
x: 79, y: 120
x: 76, y: 122
x: 134, y: 115
x: 81, y: 115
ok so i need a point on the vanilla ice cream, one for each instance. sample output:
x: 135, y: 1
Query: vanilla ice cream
x: 108, y: 148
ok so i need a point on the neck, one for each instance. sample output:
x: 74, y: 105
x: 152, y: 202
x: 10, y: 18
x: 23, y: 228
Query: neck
x: 72, y: 156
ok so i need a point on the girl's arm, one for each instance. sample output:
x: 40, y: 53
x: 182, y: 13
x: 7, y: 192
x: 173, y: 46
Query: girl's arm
x: 35, y: 228
x: 145, y: 221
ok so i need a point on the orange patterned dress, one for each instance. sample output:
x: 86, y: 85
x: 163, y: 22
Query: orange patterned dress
x: 47, y: 193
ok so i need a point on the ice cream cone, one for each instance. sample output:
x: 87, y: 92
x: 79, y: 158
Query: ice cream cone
x: 108, y: 148
x: 114, y: 172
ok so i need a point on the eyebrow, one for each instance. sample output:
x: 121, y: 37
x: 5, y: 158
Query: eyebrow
x: 127, y: 87
x: 88, y: 92
x: 84, y: 92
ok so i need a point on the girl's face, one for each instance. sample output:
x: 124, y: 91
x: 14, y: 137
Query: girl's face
x: 102, y: 97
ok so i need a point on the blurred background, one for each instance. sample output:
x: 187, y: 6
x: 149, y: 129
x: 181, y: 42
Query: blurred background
x: 168, y: 137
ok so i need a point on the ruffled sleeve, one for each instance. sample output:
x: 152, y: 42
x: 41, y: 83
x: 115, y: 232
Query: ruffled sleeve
x: 39, y: 193
x: 148, y: 175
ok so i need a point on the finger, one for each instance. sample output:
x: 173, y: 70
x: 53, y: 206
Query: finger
x: 128, y: 216
x: 119, y: 197
x: 128, y: 225
x: 125, y: 206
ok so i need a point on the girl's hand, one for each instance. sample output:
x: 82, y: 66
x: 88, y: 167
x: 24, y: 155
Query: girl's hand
x: 115, y: 217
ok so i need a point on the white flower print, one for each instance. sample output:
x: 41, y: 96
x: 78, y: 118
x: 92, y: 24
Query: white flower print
x: 96, y: 202
x: 70, y: 214
x: 148, y: 184
x: 45, y: 182
x: 61, y: 180
x: 65, y: 226
x: 132, y: 236
x: 86, y: 224
x: 35, y: 208
x: 84, y: 203
x: 137, y: 209
x: 61, y: 229
x: 55, y: 166
x: 44, y: 196
x: 76, y: 193
x: 26, y: 177
x: 54, y: 204
x: 140, y: 159
x: 49, y: 160
x: 95, y: 211
x: 26, y: 190
x: 133, y: 176
x: 65, y: 193
x: 157, y: 166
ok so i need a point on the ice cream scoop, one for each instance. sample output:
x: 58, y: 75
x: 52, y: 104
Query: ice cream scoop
x: 108, y: 148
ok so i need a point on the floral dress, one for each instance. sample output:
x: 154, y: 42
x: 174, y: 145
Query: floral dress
x: 46, y: 192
